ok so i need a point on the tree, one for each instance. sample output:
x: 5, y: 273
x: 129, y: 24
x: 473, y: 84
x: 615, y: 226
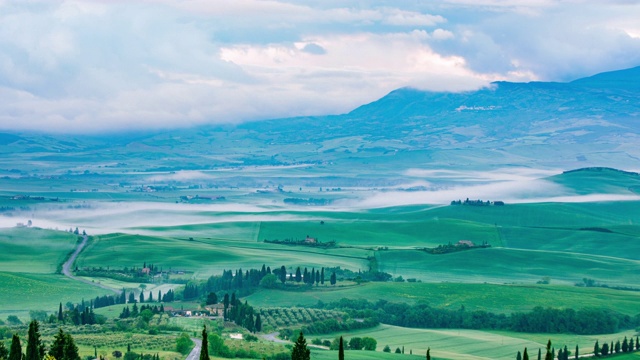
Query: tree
x: 341, y: 350
x: 332, y: 280
x: 60, y: 314
x: 15, y: 353
x: 117, y: 354
x: 398, y: 351
x: 258, y: 324
x: 355, y: 343
x: 525, y: 355
x: 617, y: 346
x: 298, y: 275
x: 283, y: 274
x: 605, y: 349
x: 369, y: 343
x: 428, y: 353
x: 70, y: 349
x: 184, y: 344
x: 300, y: 351
x: 35, y: 347
x: 548, y: 355
x: 4, y: 352
x: 204, y: 350
x: 212, y: 298
x: 596, y: 349
x: 518, y: 356
x: 141, y: 297
x: 386, y: 349
x: 57, y: 347
x: 576, y: 357
x: 322, y: 276
x: 625, y: 345
x: 539, y: 354
x: 269, y: 281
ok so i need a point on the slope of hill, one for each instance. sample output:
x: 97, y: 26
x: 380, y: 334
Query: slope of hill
x: 587, y: 122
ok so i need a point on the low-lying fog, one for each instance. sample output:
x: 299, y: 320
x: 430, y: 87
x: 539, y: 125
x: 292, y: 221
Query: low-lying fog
x: 513, y: 185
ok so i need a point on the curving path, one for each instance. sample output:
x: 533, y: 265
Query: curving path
x: 66, y: 267
x: 195, y: 352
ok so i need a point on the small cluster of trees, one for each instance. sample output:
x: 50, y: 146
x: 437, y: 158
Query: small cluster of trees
x: 76, y: 314
x: 242, y: 314
x: 625, y: 346
x: 144, y: 309
x: 477, y: 202
x: 63, y: 346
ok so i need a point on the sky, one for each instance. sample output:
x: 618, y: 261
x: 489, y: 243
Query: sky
x: 109, y: 66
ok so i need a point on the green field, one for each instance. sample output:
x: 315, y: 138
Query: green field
x: 489, y: 297
x: 34, y: 250
x: 207, y: 257
x: 472, y: 344
x: 41, y: 291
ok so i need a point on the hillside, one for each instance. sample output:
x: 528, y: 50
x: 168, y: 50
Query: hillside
x: 588, y: 122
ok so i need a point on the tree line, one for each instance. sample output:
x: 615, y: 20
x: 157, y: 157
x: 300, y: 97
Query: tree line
x: 540, y: 320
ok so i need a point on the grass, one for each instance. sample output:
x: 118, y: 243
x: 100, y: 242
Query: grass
x: 489, y: 297
x: 41, y: 291
x: 472, y: 344
x: 34, y: 250
x: 208, y: 256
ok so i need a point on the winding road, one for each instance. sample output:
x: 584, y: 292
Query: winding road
x: 195, y: 352
x: 66, y: 267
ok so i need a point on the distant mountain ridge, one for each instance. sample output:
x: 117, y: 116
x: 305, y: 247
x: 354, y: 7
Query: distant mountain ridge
x: 588, y: 122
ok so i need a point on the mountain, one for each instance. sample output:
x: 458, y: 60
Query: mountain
x: 589, y: 122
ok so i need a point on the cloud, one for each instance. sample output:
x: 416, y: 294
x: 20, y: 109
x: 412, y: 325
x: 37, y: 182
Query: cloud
x: 92, y: 66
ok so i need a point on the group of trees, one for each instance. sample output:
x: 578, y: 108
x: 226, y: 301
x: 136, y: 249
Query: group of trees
x: 79, y: 314
x: 627, y: 345
x: 62, y: 348
x: 242, y: 314
x: 144, y: 309
x: 539, y: 320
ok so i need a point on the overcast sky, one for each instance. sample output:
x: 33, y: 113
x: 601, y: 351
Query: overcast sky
x: 87, y: 66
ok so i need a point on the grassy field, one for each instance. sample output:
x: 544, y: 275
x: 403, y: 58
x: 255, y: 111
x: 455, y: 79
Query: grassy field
x: 489, y: 297
x: 472, y: 344
x: 34, y: 250
x: 41, y: 291
x: 209, y: 256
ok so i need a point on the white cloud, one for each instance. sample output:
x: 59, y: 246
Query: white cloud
x: 99, y: 65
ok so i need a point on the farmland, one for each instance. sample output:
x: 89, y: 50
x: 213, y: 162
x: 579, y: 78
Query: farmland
x: 538, y: 253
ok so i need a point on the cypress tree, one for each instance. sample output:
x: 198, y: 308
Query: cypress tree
x: 4, y: 352
x: 625, y: 345
x: 298, y: 275
x: 548, y: 355
x: 428, y: 353
x: 57, y: 348
x: 565, y: 353
x: 525, y: 355
x: 322, y: 276
x: 283, y: 274
x: 577, y: 352
x: 631, y: 345
x: 596, y: 349
x: 332, y: 280
x: 341, y: 350
x: 637, y: 343
x: 16, y: 349
x: 300, y: 350
x: 539, y: 354
x: 70, y: 349
x: 258, y: 323
x: 204, y: 351
x: 159, y: 296
x: 35, y: 348
x: 518, y: 356
x: 60, y: 314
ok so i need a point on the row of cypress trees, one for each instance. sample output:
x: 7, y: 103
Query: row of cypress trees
x: 62, y: 348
